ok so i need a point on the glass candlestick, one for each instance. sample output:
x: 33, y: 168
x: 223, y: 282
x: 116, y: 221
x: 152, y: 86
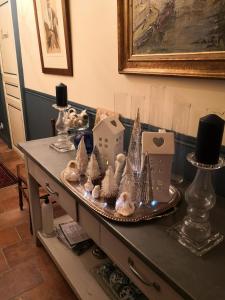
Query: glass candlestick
x: 63, y: 143
x: 195, y: 231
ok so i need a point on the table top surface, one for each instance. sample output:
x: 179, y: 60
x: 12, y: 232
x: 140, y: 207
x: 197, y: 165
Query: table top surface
x: 200, y: 278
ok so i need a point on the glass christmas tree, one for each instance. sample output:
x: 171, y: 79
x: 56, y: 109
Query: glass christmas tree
x: 134, y: 150
x: 145, y: 195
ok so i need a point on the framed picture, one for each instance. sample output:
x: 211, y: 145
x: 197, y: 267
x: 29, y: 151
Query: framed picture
x: 54, y: 36
x: 172, y: 37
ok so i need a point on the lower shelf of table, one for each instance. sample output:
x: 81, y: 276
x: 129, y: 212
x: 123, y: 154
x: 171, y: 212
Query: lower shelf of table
x: 75, y: 269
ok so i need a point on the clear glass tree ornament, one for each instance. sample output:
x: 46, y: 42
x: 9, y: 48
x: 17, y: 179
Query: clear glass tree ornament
x: 134, y: 150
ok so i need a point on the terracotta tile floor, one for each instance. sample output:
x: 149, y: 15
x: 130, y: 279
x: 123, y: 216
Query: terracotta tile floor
x: 26, y: 271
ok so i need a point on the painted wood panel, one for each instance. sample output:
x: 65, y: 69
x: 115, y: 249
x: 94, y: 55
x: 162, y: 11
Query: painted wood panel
x: 9, y: 70
x: 15, y: 118
x: 8, y: 51
x: 4, y: 131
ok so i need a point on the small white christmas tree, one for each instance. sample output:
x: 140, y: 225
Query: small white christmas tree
x: 128, y: 181
x: 109, y: 185
x: 119, y: 166
x: 93, y: 168
x: 82, y: 157
x: 100, y: 159
x: 88, y: 186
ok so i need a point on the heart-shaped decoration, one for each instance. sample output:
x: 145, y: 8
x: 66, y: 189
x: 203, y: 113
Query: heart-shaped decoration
x: 158, y: 141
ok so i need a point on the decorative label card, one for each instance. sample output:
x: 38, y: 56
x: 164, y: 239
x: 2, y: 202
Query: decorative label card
x: 160, y: 146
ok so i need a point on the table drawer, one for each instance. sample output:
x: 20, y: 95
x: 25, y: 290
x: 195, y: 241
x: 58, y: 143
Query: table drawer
x: 89, y: 223
x: 151, y: 284
x: 65, y: 200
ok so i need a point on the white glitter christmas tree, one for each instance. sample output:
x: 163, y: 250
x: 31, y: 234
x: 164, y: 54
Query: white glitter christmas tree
x: 82, y: 157
x: 109, y: 185
x: 128, y: 181
x: 93, y: 168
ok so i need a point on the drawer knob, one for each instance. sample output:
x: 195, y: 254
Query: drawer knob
x: 153, y: 284
x: 50, y: 191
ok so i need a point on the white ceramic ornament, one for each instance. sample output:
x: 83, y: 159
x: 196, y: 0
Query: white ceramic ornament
x: 96, y: 192
x: 74, y: 120
x: 108, y: 137
x: 160, y: 147
x: 72, y: 172
x: 88, y: 186
x: 69, y: 117
x: 124, y: 205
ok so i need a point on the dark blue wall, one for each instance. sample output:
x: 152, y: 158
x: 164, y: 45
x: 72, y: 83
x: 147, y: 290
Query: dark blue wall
x: 40, y: 111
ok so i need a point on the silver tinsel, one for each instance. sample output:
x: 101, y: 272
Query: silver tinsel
x: 134, y: 150
x: 145, y: 188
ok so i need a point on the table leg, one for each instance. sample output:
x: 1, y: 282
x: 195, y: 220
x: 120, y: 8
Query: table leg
x: 35, y: 207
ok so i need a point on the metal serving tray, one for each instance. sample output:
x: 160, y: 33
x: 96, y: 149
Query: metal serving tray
x: 161, y: 209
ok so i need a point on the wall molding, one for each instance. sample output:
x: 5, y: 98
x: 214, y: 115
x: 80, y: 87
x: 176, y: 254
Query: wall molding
x: 52, y: 99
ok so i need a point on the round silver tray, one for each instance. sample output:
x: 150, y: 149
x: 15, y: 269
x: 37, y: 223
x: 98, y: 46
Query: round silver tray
x: 160, y: 210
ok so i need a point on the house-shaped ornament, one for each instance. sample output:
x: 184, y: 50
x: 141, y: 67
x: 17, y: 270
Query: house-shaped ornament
x: 160, y: 146
x: 108, y: 137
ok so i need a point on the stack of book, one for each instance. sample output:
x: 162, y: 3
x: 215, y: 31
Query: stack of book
x: 73, y: 236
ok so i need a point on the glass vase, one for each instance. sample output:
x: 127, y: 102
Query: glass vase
x: 195, y: 231
x: 62, y: 143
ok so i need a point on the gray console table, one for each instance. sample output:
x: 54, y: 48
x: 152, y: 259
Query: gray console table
x: 145, y: 252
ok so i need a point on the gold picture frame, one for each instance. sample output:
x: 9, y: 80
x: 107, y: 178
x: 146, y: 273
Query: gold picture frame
x: 140, y: 33
x: 54, y: 36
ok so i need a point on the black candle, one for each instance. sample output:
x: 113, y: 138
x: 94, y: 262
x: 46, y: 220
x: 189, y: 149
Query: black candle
x: 209, y: 139
x: 61, y: 95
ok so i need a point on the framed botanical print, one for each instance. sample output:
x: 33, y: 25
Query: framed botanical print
x: 54, y: 36
x: 172, y: 37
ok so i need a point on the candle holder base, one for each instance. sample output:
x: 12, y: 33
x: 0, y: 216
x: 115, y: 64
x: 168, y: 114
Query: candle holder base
x: 60, y: 147
x: 195, y: 231
x: 63, y: 144
x: 199, y: 248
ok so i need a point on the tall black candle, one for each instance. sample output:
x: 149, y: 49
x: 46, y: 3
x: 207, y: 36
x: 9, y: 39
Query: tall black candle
x: 61, y: 95
x: 209, y: 139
